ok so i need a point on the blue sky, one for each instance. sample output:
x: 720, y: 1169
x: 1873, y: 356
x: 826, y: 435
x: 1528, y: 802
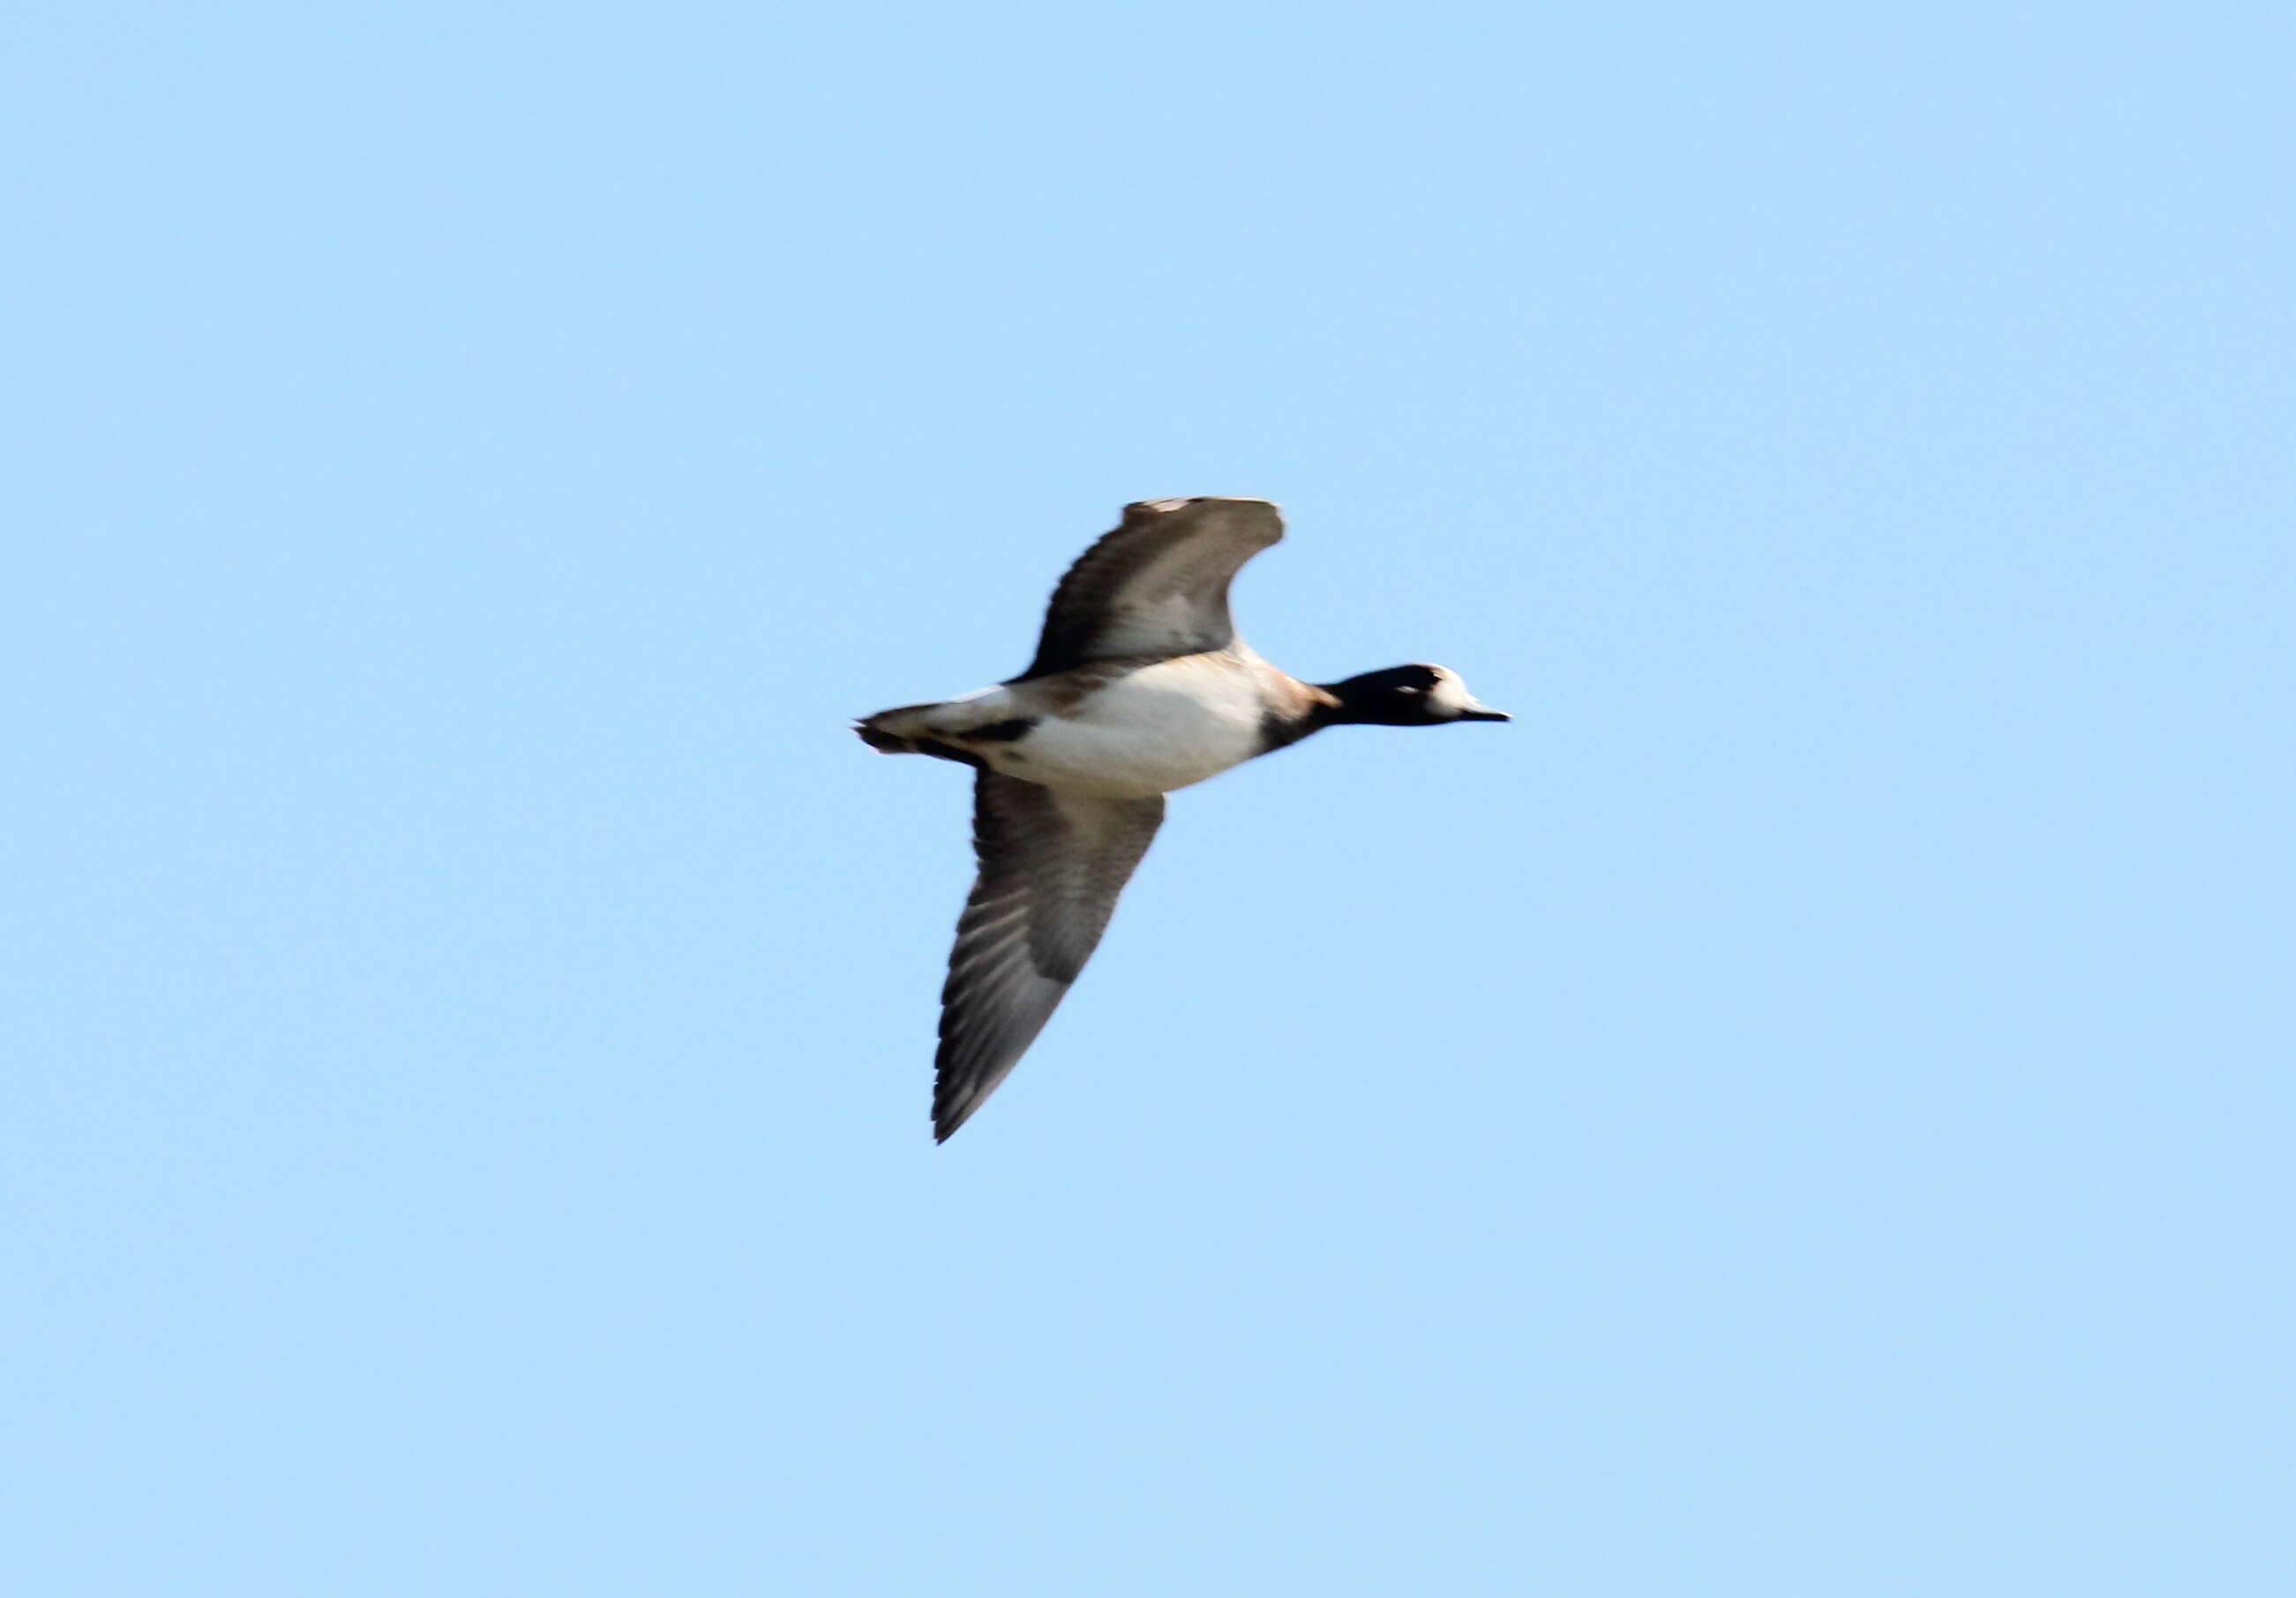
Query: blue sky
x: 1803, y: 1110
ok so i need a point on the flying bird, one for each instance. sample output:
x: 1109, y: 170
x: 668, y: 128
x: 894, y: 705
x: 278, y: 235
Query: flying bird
x: 1140, y: 686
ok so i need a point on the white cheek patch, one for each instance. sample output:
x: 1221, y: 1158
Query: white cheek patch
x: 1449, y: 696
x: 1448, y: 700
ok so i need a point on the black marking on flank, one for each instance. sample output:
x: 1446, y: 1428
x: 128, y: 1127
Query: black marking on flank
x: 1002, y: 731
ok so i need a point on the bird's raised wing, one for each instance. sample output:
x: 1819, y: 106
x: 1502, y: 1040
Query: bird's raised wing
x: 1051, y: 867
x: 1157, y: 585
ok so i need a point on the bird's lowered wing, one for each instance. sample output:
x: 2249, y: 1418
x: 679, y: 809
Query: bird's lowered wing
x: 1051, y: 867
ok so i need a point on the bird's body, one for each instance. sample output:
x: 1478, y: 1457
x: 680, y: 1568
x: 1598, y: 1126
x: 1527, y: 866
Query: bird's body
x: 1139, y: 687
x: 1124, y: 730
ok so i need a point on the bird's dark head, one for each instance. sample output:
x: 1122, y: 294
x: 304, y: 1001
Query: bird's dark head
x: 1408, y: 696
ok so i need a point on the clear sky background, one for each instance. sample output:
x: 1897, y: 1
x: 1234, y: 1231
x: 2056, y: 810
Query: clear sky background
x: 1802, y: 1111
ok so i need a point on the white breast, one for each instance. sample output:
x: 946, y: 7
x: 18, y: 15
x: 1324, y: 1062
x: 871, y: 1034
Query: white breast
x: 1158, y: 728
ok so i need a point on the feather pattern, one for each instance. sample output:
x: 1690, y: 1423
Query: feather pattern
x: 1157, y: 585
x: 1052, y: 865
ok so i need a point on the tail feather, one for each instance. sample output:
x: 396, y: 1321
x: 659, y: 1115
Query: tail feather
x: 881, y: 740
x: 905, y: 731
x: 897, y: 731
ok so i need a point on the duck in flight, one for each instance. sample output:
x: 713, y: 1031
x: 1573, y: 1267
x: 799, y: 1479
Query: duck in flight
x: 1140, y: 685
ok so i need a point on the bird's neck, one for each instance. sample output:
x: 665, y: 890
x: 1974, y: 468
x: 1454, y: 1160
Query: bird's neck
x: 1314, y: 708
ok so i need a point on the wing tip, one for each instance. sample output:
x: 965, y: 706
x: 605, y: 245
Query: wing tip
x: 1263, y: 517
x: 949, y: 1114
